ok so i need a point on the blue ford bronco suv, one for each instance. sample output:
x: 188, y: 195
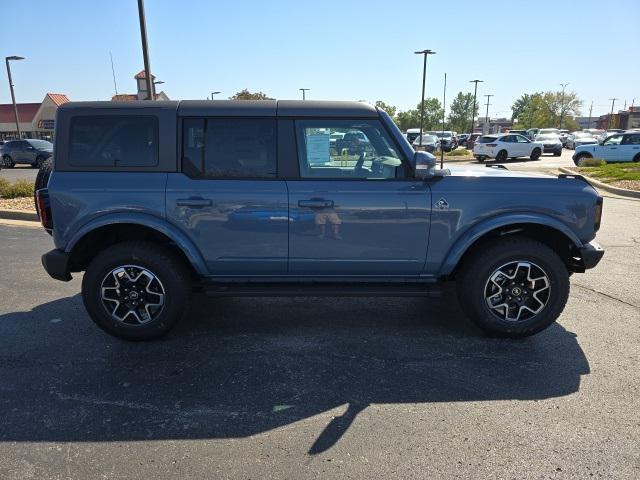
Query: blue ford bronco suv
x: 156, y: 200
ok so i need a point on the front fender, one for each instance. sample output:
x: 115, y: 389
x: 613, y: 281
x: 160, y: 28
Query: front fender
x: 468, y: 238
x: 179, y: 238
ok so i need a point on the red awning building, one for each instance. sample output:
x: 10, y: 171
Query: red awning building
x: 37, y: 120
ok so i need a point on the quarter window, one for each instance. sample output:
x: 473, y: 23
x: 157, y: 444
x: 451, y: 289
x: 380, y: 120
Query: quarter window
x: 229, y: 148
x: 347, y: 149
x: 114, y: 141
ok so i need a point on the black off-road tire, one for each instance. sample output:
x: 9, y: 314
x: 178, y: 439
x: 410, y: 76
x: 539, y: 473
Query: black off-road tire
x: 42, y: 179
x: 8, y: 161
x: 535, y: 154
x: 161, y: 262
x: 480, y: 158
x: 475, y: 272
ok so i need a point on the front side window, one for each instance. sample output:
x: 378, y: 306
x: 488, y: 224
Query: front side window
x: 114, y: 141
x: 615, y: 140
x: 521, y: 139
x: 229, y: 147
x: 359, y: 149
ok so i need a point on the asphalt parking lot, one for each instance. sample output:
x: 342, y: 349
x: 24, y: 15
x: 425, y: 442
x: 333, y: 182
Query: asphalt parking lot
x: 321, y: 388
x: 19, y: 172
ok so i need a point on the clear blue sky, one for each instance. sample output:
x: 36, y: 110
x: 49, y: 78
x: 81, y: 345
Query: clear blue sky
x: 339, y: 49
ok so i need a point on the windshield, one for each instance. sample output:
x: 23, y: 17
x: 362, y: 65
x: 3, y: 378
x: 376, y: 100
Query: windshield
x: 426, y: 139
x: 444, y: 134
x: 548, y: 138
x: 582, y: 135
x: 41, y: 144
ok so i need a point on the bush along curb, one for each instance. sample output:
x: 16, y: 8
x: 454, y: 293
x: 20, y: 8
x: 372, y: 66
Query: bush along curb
x: 24, y: 215
x: 623, y: 192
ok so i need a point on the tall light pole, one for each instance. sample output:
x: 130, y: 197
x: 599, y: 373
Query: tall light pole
x: 563, y: 85
x: 304, y: 92
x: 214, y: 93
x: 590, y: 110
x: 426, y: 53
x: 613, y: 102
x: 475, y: 91
x: 145, y: 51
x: 13, y: 95
x: 486, y: 122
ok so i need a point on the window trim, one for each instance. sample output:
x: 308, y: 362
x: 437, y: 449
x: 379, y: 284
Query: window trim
x: 299, y: 137
x: 214, y: 117
x: 115, y: 167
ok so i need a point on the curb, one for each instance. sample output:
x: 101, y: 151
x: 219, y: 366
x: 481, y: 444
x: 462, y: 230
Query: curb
x: 623, y: 192
x: 25, y: 215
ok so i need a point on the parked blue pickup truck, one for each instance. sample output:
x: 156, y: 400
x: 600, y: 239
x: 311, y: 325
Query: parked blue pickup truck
x: 153, y: 200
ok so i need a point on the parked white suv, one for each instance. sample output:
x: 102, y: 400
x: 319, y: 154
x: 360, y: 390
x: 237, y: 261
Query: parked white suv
x: 621, y: 147
x: 502, y: 147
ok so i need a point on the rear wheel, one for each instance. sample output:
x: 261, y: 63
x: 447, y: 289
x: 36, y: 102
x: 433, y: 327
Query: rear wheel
x: 515, y: 288
x: 636, y: 158
x: 581, y: 158
x: 480, y: 158
x: 501, y: 156
x: 535, y: 155
x: 136, y: 290
x: 8, y: 161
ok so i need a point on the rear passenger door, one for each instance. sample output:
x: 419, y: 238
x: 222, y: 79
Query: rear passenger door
x: 227, y: 197
x: 630, y: 146
x: 355, y: 211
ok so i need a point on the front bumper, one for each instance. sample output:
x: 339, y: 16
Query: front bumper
x: 591, y: 254
x: 56, y: 264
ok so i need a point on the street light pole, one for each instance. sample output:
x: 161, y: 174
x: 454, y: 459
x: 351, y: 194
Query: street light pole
x: 304, y: 91
x: 486, y: 122
x: 13, y: 95
x: 424, y: 81
x: 475, y: 91
x: 145, y: 51
x: 214, y: 93
x: 613, y: 102
x: 563, y: 85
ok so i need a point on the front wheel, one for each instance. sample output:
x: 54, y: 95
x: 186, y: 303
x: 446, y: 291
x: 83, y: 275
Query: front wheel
x: 8, y: 161
x: 136, y: 290
x: 580, y: 159
x: 514, y: 288
x: 535, y: 155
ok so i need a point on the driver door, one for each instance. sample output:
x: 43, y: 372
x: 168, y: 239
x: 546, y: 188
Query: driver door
x: 610, y: 150
x: 355, y: 211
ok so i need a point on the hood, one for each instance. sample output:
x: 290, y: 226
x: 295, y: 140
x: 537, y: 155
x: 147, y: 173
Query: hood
x: 473, y: 171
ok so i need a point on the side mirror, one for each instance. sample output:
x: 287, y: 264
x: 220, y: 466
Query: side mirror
x: 425, y: 164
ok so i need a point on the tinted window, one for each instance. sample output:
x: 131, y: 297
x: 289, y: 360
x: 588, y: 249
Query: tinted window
x: 365, y: 150
x: 41, y: 144
x: 114, y: 141
x: 631, y: 139
x: 229, y: 148
x: 487, y: 139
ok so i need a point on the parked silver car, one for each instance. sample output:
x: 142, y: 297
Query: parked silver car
x: 576, y: 139
x: 29, y: 151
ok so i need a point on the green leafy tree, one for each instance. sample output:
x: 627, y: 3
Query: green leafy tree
x: 461, y: 111
x: 545, y: 109
x: 247, y: 95
x: 390, y: 109
x: 411, y: 118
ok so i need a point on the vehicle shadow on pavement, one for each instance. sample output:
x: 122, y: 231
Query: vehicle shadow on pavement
x: 241, y: 366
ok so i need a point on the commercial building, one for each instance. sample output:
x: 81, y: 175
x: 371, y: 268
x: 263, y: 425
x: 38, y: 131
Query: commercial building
x: 141, y: 94
x: 36, y: 120
x: 624, y: 119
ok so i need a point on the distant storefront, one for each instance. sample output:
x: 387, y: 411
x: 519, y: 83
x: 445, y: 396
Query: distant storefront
x: 37, y: 120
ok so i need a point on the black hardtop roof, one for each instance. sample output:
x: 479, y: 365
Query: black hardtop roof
x: 242, y: 108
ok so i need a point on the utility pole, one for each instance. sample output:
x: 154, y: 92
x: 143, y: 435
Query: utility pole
x: 13, y: 95
x: 613, y: 102
x: 486, y: 122
x: 426, y: 53
x: 475, y: 91
x: 145, y: 51
x: 562, y: 103
x: 444, y: 107
x: 590, y: 109
x: 304, y: 92
x: 113, y: 72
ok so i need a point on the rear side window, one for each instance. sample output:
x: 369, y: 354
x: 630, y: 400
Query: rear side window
x: 114, y: 141
x: 229, y: 147
x: 487, y: 139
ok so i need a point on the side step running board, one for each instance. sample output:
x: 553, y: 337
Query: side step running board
x: 320, y: 289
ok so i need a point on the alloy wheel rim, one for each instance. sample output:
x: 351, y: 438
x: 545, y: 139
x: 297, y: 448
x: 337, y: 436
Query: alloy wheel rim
x: 132, y: 295
x: 517, y: 291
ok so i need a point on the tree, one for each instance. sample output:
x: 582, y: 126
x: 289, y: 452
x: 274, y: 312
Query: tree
x: 461, y: 111
x: 390, y: 109
x: 544, y: 109
x: 411, y: 118
x: 247, y: 95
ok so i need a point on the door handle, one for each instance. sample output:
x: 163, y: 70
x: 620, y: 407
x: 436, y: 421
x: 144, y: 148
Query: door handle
x: 193, y: 202
x: 320, y: 203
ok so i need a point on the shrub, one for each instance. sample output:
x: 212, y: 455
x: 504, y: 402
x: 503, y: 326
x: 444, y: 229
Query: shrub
x: 20, y: 188
x: 591, y: 162
x: 458, y: 152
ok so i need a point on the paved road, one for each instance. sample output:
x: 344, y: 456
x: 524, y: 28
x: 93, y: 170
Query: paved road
x: 321, y: 388
x: 19, y: 172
